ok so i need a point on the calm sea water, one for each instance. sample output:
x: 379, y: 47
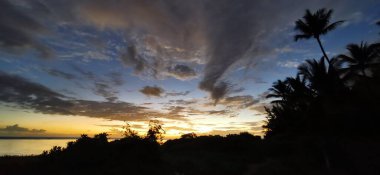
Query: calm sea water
x: 29, y: 146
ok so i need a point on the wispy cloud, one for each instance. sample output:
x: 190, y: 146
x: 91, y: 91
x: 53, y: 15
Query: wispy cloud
x: 60, y: 74
x: 175, y: 93
x: 29, y: 95
x: 17, y: 129
x: 289, y: 64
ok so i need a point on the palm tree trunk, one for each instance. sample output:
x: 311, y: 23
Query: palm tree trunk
x: 323, y: 50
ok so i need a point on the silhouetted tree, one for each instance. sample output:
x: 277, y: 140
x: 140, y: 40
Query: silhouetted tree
x: 155, y: 131
x: 360, y: 59
x: 129, y: 132
x: 321, y: 79
x: 189, y: 136
x: 102, y: 137
x: 314, y: 25
x: 293, y: 98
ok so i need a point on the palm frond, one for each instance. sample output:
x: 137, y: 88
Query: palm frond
x: 332, y: 26
x: 345, y: 58
x: 337, y: 62
x: 315, y: 24
x: 298, y: 37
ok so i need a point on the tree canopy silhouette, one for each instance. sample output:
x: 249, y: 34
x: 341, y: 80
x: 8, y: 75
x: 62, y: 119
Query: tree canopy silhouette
x: 314, y: 25
x: 360, y: 59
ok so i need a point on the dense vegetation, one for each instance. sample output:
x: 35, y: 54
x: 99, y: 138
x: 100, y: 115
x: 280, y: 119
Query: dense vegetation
x: 322, y: 121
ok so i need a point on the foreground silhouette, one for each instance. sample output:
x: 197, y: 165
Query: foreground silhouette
x: 143, y: 155
x: 325, y: 120
x: 314, y: 25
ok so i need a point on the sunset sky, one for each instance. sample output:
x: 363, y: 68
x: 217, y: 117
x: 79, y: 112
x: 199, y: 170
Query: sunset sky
x: 69, y: 67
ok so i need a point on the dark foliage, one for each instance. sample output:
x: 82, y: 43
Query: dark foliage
x: 136, y: 155
x: 313, y: 25
x: 332, y: 106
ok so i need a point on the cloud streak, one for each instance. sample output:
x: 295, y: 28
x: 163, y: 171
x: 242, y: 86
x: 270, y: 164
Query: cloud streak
x: 25, y: 94
x: 17, y: 129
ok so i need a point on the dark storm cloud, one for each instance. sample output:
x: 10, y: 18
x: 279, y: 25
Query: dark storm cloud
x: 152, y: 91
x: 19, y: 31
x: 17, y: 128
x: 25, y: 94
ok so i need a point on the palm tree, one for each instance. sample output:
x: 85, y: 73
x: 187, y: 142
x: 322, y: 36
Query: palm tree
x: 321, y: 79
x: 360, y: 58
x: 315, y: 25
x: 281, y: 90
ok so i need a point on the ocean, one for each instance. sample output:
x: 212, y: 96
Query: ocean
x: 29, y: 146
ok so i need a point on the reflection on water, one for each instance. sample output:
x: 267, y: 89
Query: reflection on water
x: 29, y: 146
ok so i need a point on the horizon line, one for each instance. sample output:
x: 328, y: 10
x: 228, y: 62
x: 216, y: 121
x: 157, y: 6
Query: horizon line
x: 39, y: 138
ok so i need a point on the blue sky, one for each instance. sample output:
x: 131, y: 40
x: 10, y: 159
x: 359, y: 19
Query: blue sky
x: 71, y: 67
